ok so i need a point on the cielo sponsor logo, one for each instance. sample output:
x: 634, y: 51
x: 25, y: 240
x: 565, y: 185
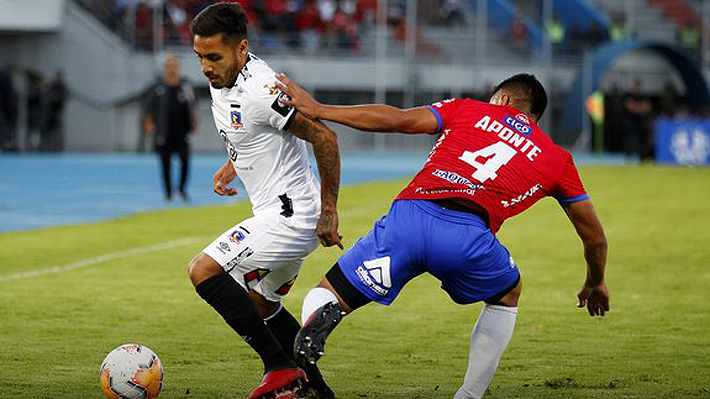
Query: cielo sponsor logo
x: 519, y: 123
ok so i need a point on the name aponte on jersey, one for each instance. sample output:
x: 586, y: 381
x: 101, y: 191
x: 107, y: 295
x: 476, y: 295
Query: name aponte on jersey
x: 506, y: 134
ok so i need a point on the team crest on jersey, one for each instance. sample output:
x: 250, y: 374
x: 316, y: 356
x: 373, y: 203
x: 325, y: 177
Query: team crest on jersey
x: 520, y: 123
x: 236, y: 118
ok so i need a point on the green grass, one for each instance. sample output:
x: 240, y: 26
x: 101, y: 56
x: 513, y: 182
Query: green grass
x: 55, y: 329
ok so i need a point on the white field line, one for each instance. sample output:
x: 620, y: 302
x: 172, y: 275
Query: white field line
x: 351, y: 212
x: 103, y: 258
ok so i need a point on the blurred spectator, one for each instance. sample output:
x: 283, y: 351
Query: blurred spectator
x: 518, y: 33
x: 452, y: 13
x: 53, y: 132
x: 596, y: 34
x: 143, y: 27
x: 555, y: 31
x: 35, y: 111
x: 617, y: 29
x: 311, y: 26
x: 669, y: 102
x: 638, y: 109
x: 366, y: 12
x: 345, y: 28
x: 170, y: 118
x: 689, y: 38
x: 614, y: 121
x: 8, y: 110
x: 327, y: 9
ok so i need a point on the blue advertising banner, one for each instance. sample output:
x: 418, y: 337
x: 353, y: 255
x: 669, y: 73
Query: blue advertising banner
x: 683, y: 142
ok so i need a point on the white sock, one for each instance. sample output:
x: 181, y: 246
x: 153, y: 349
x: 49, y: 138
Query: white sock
x: 489, y: 339
x: 316, y: 298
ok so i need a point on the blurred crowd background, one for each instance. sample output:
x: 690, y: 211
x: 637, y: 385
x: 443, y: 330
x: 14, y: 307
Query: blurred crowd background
x: 404, y: 52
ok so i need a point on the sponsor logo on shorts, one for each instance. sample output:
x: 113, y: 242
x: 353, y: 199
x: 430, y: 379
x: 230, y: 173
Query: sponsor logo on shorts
x: 455, y: 178
x: 247, y: 252
x: 223, y: 247
x: 375, y: 274
x: 237, y: 236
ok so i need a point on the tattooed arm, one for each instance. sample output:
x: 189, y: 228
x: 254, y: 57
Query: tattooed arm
x: 325, y: 148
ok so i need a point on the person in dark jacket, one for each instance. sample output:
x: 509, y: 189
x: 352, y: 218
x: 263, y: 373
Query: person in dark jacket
x: 8, y: 109
x: 170, y: 119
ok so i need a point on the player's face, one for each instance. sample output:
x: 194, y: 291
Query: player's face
x: 220, y: 61
x: 171, y: 67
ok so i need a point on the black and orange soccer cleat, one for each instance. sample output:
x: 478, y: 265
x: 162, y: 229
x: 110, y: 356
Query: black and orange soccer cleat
x: 281, y: 384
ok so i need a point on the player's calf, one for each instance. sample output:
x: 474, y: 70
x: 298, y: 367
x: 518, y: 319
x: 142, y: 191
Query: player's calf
x: 310, y: 341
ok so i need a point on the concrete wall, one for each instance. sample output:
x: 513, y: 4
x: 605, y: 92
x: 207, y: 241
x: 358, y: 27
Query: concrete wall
x: 31, y: 15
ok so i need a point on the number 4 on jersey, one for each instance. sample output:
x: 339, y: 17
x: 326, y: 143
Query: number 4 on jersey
x: 496, y: 155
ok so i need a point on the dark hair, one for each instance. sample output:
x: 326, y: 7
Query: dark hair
x: 525, y: 88
x: 228, y: 18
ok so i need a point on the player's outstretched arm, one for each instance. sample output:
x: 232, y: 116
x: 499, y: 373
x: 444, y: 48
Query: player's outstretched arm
x: 594, y: 293
x: 368, y: 117
x: 325, y: 149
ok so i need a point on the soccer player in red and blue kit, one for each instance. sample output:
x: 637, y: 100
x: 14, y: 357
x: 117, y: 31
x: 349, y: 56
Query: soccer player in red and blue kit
x: 491, y: 162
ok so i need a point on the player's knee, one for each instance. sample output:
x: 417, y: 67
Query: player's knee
x: 511, y: 298
x: 265, y: 307
x: 201, y: 268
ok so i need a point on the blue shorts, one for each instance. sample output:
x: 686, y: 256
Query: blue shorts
x: 419, y: 236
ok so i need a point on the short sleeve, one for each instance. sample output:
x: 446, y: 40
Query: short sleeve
x: 568, y: 187
x: 266, y: 107
x: 444, y: 111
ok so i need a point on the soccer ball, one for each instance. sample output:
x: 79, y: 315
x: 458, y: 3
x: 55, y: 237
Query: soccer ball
x: 131, y: 371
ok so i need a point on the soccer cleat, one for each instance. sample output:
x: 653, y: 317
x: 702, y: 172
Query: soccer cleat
x: 281, y: 384
x: 310, y: 341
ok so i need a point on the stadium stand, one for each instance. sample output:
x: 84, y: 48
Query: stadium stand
x: 110, y: 51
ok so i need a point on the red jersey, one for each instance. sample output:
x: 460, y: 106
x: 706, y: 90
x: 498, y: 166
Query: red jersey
x: 495, y: 157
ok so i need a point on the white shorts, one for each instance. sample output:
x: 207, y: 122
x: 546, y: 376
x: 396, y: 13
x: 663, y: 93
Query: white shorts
x: 264, y: 253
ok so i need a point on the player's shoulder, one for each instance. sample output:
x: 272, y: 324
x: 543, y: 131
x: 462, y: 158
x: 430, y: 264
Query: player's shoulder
x: 456, y: 101
x: 259, y: 78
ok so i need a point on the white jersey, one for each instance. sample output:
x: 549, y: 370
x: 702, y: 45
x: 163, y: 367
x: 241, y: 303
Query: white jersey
x: 272, y: 163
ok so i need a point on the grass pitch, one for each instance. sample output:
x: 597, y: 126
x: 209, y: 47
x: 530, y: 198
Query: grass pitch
x: 125, y: 281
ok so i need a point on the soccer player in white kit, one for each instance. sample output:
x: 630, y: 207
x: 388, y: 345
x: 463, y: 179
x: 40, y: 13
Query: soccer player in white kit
x: 245, y: 272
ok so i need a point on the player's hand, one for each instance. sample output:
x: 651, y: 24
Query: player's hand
x: 327, y: 229
x: 299, y: 98
x: 595, y: 298
x: 222, y: 178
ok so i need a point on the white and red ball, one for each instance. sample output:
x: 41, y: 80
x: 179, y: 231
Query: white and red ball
x: 131, y: 371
